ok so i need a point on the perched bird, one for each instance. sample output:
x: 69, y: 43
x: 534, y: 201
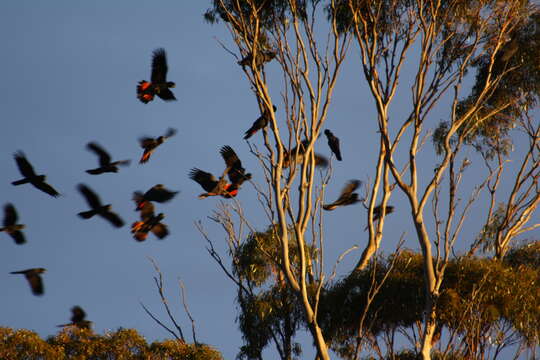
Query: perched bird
x: 157, y: 193
x: 150, y: 144
x: 263, y: 56
x: 214, y: 187
x: 377, y: 212
x: 333, y: 143
x: 30, y: 176
x: 97, y: 208
x: 105, y: 164
x: 158, y: 84
x: 261, y: 122
x: 78, y: 319
x: 34, y: 279
x: 140, y: 229
x: 10, y: 225
x: 289, y: 157
x: 347, y: 196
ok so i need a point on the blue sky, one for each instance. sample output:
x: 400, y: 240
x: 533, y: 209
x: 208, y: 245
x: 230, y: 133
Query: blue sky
x: 69, y: 75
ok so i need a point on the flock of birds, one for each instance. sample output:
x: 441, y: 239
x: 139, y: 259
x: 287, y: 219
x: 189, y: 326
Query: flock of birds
x: 149, y: 220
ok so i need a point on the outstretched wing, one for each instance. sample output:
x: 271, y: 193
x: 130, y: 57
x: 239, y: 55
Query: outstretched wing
x: 10, y: 215
x: 46, y: 188
x: 24, y: 165
x: 147, y: 142
x: 78, y: 314
x: 113, y: 218
x: 170, y: 132
x: 159, y: 66
x: 91, y: 197
x: 160, y: 194
x: 160, y: 230
x: 166, y: 94
x: 348, y: 189
x: 236, y: 173
x: 104, y: 157
x: 205, y: 179
x: 36, y: 284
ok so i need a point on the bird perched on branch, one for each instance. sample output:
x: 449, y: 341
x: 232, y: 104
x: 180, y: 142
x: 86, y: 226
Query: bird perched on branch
x: 34, y: 279
x: 262, y: 57
x: 105, y: 164
x: 38, y: 181
x: 150, y: 144
x: 297, y: 155
x: 333, y: 143
x: 347, y: 196
x: 214, y: 187
x: 78, y: 319
x: 377, y: 213
x: 97, y: 208
x: 10, y: 224
x: 158, y: 84
x: 261, y: 122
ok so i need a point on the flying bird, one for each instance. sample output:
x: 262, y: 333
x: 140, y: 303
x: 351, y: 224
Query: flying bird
x: 377, y: 212
x: 333, y: 143
x: 10, y: 224
x: 347, y: 196
x: 157, y: 193
x: 150, y: 144
x: 262, y: 57
x: 149, y: 223
x: 214, y: 187
x: 158, y: 84
x: 31, y: 177
x: 320, y: 161
x: 261, y: 122
x: 78, y: 319
x: 105, y: 164
x: 34, y: 279
x: 97, y: 208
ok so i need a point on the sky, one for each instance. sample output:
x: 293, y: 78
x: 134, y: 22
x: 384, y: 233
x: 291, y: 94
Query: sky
x: 69, y: 75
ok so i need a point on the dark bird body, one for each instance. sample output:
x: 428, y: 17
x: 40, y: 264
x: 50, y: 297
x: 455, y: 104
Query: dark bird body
x: 333, y: 143
x: 347, y: 196
x: 298, y: 154
x: 97, y: 208
x: 105, y: 163
x: 214, y: 187
x: 157, y: 193
x: 158, y: 84
x: 150, y: 144
x: 261, y: 122
x: 34, y: 279
x: 10, y: 224
x: 78, y: 319
x: 262, y: 57
x: 149, y: 223
x: 38, y: 181
x: 377, y: 212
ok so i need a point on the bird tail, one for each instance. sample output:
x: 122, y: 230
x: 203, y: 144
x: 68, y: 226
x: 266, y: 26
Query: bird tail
x: 249, y: 133
x: 20, y: 182
x: 145, y: 157
x: 87, y: 214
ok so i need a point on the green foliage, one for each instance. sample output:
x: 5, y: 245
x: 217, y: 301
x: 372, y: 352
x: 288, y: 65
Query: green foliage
x: 476, y: 294
x: 83, y: 344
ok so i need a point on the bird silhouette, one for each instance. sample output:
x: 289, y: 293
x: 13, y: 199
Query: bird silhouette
x: 150, y: 144
x: 261, y: 122
x: 296, y: 155
x: 333, y: 143
x: 377, y: 212
x: 149, y: 223
x: 78, y: 319
x: 38, y: 181
x: 34, y: 279
x: 97, y: 208
x: 105, y: 164
x: 10, y: 224
x: 347, y: 196
x: 262, y: 57
x: 158, y: 84
x: 157, y: 193
x: 220, y: 187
